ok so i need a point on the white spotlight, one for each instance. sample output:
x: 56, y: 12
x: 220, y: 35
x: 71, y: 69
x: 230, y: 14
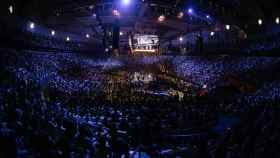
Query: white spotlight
x: 212, y: 33
x: 11, y: 9
x: 31, y: 25
x: 181, y: 39
x: 180, y: 15
x: 260, y: 22
x: 121, y: 33
x: 53, y: 33
x: 67, y: 39
x: 228, y: 27
x: 87, y: 36
x: 277, y: 20
x: 126, y: 2
x: 161, y: 18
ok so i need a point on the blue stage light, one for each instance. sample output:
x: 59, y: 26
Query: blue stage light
x: 190, y: 10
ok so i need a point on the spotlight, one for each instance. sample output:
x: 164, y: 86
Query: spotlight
x: 181, y: 39
x: 11, y: 9
x: 260, y: 22
x: 190, y: 10
x: 116, y: 12
x: 31, y: 25
x: 161, y: 18
x: 91, y: 7
x: 228, y: 27
x: 67, y: 39
x: 126, y: 2
x: 208, y: 16
x: 212, y: 33
x: 277, y: 20
x: 180, y: 15
x: 53, y: 33
x: 87, y: 35
x: 121, y: 33
x: 204, y: 86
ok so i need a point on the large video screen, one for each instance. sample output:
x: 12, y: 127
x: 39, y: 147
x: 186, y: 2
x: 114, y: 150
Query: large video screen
x: 145, y: 40
x: 144, y: 43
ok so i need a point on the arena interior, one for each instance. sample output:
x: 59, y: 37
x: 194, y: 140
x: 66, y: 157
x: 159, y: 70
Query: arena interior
x: 139, y: 78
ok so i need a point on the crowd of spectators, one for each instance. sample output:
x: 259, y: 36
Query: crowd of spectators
x: 36, y: 121
x: 211, y: 70
x: 45, y: 68
x: 263, y: 44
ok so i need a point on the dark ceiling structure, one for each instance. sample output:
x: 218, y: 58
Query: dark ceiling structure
x: 78, y: 16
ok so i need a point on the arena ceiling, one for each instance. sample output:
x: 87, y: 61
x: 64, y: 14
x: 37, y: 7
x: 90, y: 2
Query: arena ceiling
x: 78, y: 16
